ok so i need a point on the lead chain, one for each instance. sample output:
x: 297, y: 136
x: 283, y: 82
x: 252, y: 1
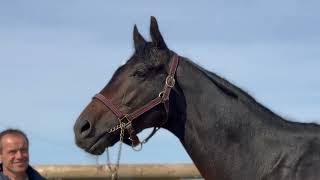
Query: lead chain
x: 114, y: 171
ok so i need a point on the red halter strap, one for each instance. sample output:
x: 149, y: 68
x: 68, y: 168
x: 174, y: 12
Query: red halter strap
x: 162, y: 98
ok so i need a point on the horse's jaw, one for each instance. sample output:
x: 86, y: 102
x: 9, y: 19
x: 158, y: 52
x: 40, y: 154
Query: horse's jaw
x: 98, y: 146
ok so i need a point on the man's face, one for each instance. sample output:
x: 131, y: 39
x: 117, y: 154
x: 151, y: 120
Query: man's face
x: 14, y: 154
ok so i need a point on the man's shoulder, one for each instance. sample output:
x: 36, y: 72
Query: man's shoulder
x: 3, y: 177
x: 33, y: 174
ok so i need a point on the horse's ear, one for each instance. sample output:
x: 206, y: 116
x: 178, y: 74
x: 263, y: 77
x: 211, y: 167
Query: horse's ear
x: 137, y: 38
x: 156, y: 35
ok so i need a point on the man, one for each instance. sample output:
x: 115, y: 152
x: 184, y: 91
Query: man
x: 14, y: 156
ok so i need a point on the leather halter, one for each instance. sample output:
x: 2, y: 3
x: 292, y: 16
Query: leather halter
x: 162, y: 98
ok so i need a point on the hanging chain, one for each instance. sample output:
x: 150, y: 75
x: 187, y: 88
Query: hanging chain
x: 114, y: 170
x: 122, y: 126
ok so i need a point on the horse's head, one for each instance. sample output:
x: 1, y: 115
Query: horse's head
x: 132, y: 87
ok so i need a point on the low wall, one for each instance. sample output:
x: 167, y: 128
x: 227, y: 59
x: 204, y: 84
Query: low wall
x: 126, y: 171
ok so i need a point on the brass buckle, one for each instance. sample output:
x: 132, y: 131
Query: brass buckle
x: 124, y: 117
x: 170, y: 81
x: 125, y: 124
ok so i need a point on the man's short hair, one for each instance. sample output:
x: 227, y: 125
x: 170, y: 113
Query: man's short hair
x: 12, y: 132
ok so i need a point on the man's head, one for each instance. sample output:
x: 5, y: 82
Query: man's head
x: 14, y: 151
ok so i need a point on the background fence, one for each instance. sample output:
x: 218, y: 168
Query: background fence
x: 126, y: 171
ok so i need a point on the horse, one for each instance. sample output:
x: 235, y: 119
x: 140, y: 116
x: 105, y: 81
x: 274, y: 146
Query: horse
x: 225, y: 131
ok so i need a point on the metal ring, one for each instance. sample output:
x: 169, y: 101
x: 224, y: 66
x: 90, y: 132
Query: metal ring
x: 170, y: 81
x: 138, y: 147
x: 161, y: 94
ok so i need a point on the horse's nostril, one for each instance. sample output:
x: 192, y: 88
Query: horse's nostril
x: 85, y: 129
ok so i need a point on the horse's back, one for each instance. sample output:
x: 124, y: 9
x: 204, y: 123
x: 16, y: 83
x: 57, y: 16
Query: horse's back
x: 309, y: 171
x: 299, y: 163
x: 308, y: 167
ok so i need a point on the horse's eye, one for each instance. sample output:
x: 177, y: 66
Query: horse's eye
x: 139, y: 73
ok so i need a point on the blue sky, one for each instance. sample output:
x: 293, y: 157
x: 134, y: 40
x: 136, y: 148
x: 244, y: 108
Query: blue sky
x: 55, y: 55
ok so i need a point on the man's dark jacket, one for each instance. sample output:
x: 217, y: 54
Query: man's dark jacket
x: 32, y: 174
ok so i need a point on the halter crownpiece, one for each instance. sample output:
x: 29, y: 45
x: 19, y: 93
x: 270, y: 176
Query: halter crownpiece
x: 129, y: 117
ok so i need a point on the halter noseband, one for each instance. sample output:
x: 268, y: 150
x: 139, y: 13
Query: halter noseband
x: 162, y: 98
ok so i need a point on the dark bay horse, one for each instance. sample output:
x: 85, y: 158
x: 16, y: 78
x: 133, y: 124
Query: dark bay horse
x: 228, y: 134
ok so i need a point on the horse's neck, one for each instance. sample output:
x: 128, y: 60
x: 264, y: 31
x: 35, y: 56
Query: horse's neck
x: 215, y: 122
x: 210, y: 104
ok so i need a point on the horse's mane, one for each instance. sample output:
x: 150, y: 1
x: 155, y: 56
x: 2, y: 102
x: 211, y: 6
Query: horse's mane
x: 235, y: 92
x: 232, y: 90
